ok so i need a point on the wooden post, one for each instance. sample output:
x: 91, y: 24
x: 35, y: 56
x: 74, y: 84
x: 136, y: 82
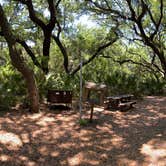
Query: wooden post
x: 80, y: 105
x: 91, y: 111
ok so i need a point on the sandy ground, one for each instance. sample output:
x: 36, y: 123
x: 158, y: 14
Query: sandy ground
x: 55, y: 138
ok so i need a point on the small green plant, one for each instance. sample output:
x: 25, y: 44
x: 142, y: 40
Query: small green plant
x: 83, y: 122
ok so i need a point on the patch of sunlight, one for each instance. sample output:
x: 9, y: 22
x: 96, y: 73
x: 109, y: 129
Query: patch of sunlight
x: 161, y: 115
x: 105, y: 142
x: 159, y: 135
x: 8, y: 120
x: 106, y: 128
x: 150, y: 108
x: 123, y: 160
x: 65, y: 126
x: 161, y: 99
x: 44, y: 151
x: 150, y: 97
x: 154, y: 151
x: 25, y: 138
x: 92, y: 162
x: 64, y: 162
x: 104, y: 156
x: 90, y: 157
x: 36, y: 115
x: 54, y: 154
x: 23, y: 158
x: 84, y: 132
x: 122, y: 122
x: 31, y: 163
x: 99, y: 109
x: 67, y: 145
x: 27, y: 161
x: 44, y: 121
x: 132, y: 117
x: 85, y: 139
x: 72, y: 123
x: 66, y: 119
x: 4, y: 157
x: 117, y: 140
x: 11, y: 140
x: 36, y: 133
x: 76, y: 159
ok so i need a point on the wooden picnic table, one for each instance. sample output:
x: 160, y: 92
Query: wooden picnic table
x: 119, y: 101
x: 120, y: 97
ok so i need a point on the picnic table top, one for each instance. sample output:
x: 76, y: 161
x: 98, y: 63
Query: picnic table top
x: 118, y: 97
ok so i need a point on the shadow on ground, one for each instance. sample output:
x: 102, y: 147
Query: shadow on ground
x: 54, y: 138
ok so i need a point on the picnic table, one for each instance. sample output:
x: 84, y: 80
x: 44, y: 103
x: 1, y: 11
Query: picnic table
x: 120, y: 101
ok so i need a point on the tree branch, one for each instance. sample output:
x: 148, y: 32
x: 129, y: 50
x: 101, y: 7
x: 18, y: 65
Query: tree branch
x: 97, y: 52
x: 32, y: 14
x: 29, y: 52
x: 46, y: 28
x: 144, y: 10
x: 133, y: 14
x: 52, y: 21
x: 107, y: 10
x: 157, y: 24
x: 63, y: 51
x: 57, y: 4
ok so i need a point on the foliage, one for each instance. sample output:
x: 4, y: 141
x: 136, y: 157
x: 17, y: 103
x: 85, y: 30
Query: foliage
x: 12, y: 88
x: 83, y: 122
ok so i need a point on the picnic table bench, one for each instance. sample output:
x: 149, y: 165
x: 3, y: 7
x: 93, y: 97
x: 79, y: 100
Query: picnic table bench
x: 121, y: 102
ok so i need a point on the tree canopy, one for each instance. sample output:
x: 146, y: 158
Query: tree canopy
x: 140, y: 22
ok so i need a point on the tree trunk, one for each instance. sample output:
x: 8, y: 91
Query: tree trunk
x: 18, y: 62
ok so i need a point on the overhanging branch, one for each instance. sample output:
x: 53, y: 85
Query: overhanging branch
x: 29, y: 52
x: 97, y: 52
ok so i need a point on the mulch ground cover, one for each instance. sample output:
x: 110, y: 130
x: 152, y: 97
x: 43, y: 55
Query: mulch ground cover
x: 51, y: 137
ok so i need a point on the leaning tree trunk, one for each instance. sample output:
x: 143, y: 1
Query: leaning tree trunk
x: 19, y: 63
x: 28, y: 75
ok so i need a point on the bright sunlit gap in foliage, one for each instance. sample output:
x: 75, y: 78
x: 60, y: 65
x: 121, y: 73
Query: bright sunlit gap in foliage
x: 82, y: 20
x: 1, y: 2
x: 86, y: 21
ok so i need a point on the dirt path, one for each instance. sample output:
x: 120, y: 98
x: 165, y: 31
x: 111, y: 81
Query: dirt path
x: 54, y: 138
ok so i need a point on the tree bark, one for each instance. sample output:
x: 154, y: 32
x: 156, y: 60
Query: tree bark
x: 28, y: 74
x: 19, y: 63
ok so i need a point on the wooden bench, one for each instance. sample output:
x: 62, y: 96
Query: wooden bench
x: 59, y: 96
x: 126, y: 105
